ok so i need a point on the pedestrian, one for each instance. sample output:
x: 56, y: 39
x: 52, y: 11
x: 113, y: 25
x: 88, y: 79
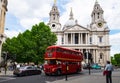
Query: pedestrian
x: 109, y: 69
x: 14, y: 66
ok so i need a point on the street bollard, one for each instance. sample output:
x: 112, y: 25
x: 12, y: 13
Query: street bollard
x: 66, y: 72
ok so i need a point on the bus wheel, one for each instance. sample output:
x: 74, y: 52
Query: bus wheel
x: 46, y: 74
x: 78, y: 70
x: 58, y: 72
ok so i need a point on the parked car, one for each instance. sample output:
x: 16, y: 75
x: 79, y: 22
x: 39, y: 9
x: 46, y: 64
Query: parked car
x: 96, y: 66
x: 26, y: 70
x: 86, y: 66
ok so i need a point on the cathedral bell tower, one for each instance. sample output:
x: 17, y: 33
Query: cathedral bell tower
x: 100, y: 34
x: 97, y: 16
x: 3, y: 10
x: 54, y: 18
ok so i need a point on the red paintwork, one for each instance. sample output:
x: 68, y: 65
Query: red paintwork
x: 73, y: 60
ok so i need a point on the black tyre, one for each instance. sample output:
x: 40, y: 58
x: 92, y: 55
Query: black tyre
x: 46, y: 74
x: 58, y: 72
x: 78, y: 70
x: 26, y: 74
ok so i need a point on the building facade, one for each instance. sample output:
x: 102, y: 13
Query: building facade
x: 3, y: 10
x: 92, y: 40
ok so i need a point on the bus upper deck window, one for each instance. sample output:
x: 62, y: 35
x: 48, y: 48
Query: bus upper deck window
x: 50, y: 50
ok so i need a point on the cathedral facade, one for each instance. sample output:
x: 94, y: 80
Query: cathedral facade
x: 3, y: 10
x: 92, y: 41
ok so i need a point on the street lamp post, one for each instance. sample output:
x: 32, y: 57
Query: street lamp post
x: 88, y: 62
x: 89, y: 67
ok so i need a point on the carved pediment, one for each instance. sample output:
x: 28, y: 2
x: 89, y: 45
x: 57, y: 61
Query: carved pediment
x: 76, y: 28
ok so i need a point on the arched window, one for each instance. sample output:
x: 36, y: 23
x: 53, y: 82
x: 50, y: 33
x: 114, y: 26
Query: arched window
x: 98, y: 15
x: 101, y: 55
x: 100, y: 39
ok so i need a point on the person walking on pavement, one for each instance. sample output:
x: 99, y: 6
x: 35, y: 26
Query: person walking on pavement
x: 109, y: 69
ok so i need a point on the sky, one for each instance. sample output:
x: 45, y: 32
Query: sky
x: 23, y: 14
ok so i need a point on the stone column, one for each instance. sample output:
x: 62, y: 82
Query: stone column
x: 79, y: 39
x: 64, y: 38
x: 88, y: 39
x: 97, y: 55
x: 73, y: 38
x: 93, y: 55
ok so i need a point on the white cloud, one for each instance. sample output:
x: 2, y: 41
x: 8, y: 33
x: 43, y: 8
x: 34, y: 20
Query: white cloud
x: 81, y: 11
x: 29, y: 22
x: 29, y: 12
x: 111, y: 13
x: 12, y: 33
x: 115, y: 43
x: 39, y: 9
x: 115, y: 39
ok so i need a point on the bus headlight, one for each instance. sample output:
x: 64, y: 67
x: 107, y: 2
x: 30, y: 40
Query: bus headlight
x: 53, y: 69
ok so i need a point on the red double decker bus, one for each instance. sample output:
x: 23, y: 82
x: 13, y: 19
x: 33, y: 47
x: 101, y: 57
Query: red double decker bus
x: 59, y: 60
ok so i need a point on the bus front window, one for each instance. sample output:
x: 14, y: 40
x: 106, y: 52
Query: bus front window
x: 51, y: 62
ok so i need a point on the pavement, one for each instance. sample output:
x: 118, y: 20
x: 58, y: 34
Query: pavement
x: 86, y: 78
x: 8, y: 73
x: 92, y: 78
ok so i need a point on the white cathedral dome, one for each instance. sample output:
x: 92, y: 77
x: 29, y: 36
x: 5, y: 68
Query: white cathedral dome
x: 70, y: 22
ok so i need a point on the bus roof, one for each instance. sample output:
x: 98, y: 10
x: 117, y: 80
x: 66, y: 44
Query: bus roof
x: 55, y: 46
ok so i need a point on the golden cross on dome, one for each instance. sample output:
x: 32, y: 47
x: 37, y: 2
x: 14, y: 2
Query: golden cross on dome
x: 54, y: 1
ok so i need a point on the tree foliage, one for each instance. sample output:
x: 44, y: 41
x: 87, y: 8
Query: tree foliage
x: 116, y: 59
x: 113, y: 61
x: 30, y: 46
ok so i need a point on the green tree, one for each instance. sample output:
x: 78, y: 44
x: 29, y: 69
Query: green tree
x: 113, y: 61
x: 43, y: 37
x: 11, y: 46
x: 117, y: 59
x: 30, y: 46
